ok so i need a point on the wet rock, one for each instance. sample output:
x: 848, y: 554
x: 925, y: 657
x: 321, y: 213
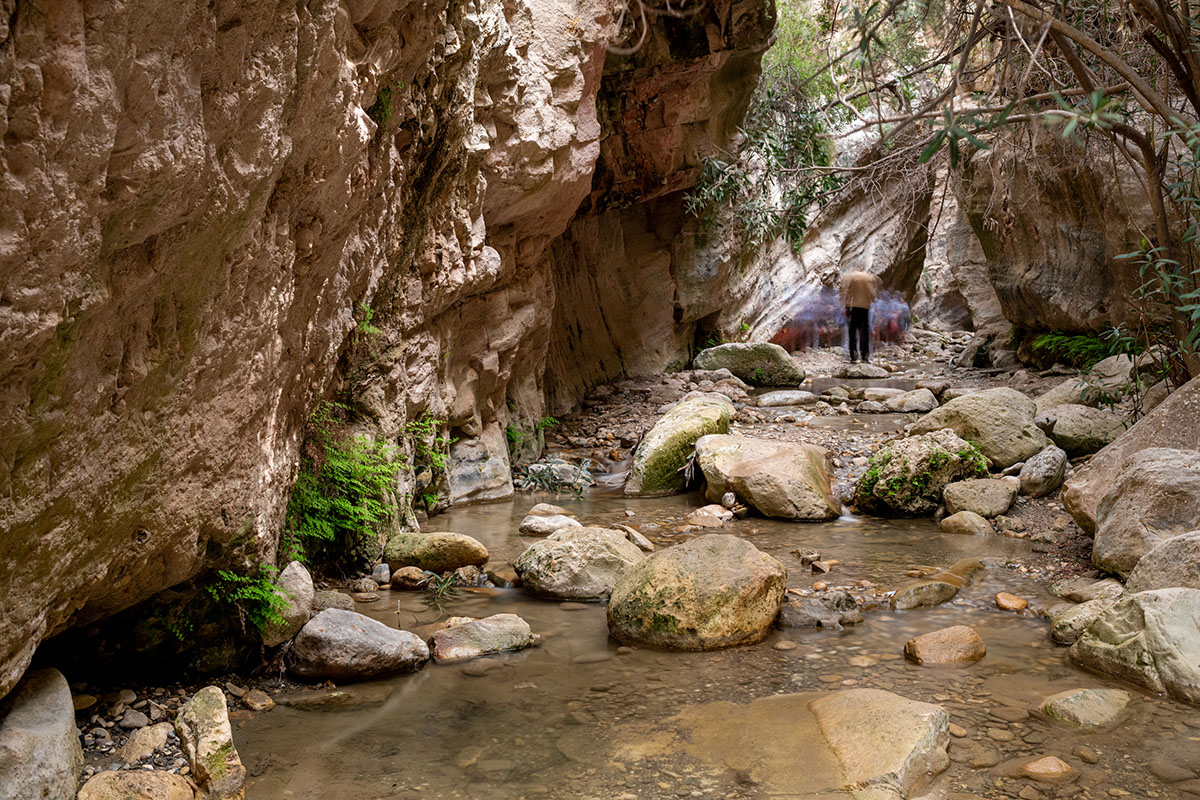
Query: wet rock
x: 831, y: 610
x: 435, y: 552
x: 258, y: 700
x: 779, y: 479
x: 409, y: 579
x: 544, y: 525
x: 1173, y: 562
x: 967, y: 522
x: 296, y: 584
x: 756, y: 364
x: 331, y: 599
x: 1156, y: 497
x: 918, y: 401
x: 860, y: 370
x: 577, y: 563
x: 1010, y: 602
x: 704, y: 519
x: 1086, y: 708
x: 872, y: 407
x: 1082, y: 430
x: 632, y: 534
x: 40, y: 755
x: 364, y: 597
x: 1170, y: 425
x: 382, y: 574
x: 999, y: 420
x: 666, y: 448
x: 710, y: 592
x: 481, y: 637
x: 987, y: 497
x: 207, y: 741
x: 1069, y: 624
x: 362, y: 586
x: 906, y: 477
x: 1049, y: 769
x: 959, y: 644
x: 1151, y: 639
x: 924, y: 594
x: 786, y: 398
x: 1044, y: 472
x: 137, y: 785
x: 345, y: 646
x: 884, y: 741
x: 144, y: 742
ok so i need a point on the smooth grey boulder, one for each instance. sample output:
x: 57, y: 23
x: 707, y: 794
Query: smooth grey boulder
x: 1086, y: 708
x: 1172, y: 562
x: 341, y: 646
x: 784, y: 480
x: 382, y: 574
x: 987, y: 497
x: 826, y: 610
x: 1151, y: 639
x: 872, y: 407
x: 40, y: 755
x: 861, y: 370
x: 918, y: 401
x: 440, y: 551
x: 577, y: 563
x: 544, y: 525
x: 967, y: 522
x: 999, y: 421
x: 660, y: 457
x: 331, y: 598
x: 757, y: 364
x: 498, y: 633
x: 906, y: 477
x: 786, y: 397
x: 1068, y: 624
x: 1043, y: 473
x: 1172, y: 424
x: 1155, y: 497
x: 297, y: 586
x: 1082, y: 430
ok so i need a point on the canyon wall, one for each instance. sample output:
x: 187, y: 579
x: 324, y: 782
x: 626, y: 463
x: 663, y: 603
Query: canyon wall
x: 200, y: 207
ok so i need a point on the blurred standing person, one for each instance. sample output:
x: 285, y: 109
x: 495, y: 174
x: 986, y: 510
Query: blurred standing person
x: 858, y: 292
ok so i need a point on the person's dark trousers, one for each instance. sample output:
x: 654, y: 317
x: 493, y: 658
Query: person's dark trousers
x: 860, y: 329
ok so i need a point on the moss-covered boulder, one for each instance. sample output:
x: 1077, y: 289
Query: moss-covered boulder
x: 665, y: 449
x: 999, y: 420
x: 207, y: 741
x: 906, y: 477
x: 757, y: 364
x: 435, y: 552
x: 710, y: 592
x: 784, y: 480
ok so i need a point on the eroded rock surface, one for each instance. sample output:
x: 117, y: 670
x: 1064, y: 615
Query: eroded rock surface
x: 40, y: 755
x: 778, y: 479
x: 999, y: 420
x: 577, y: 563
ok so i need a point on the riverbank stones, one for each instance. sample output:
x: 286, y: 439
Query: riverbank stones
x: 783, y: 480
x: 577, y: 563
x: 207, y: 740
x: 470, y: 639
x: 999, y: 421
x: 710, y: 592
x: 758, y: 364
x: 987, y: 497
x: 137, y: 785
x: 966, y: 522
x: 40, y: 754
x: 1086, y: 708
x: 956, y: 645
x: 344, y: 646
x: 435, y: 552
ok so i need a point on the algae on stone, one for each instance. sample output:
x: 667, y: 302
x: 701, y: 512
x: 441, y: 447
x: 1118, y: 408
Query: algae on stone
x: 662, y: 454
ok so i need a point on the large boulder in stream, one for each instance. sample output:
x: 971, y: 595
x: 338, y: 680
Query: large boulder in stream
x: 663, y: 452
x: 761, y: 364
x: 1172, y: 424
x: 1155, y: 497
x: 906, y: 477
x: 784, y: 480
x: 435, y: 552
x: 917, y: 401
x: 344, y: 646
x: 710, y: 592
x: 999, y: 421
x: 467, y: 639
x: 40, y: 756
x: 577, y: 563
x: 1151, y: 639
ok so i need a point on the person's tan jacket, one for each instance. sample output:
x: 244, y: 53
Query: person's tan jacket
x: 858, y: 289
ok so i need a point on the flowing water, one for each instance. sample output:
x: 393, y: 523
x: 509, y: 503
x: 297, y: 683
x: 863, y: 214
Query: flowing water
x: 575, y: 718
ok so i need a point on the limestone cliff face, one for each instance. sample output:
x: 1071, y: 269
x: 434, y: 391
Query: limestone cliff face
x: 198, y: 206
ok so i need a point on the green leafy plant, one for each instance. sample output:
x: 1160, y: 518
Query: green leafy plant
x: 440, y: 589
x: 1081, y: 350
x: 430, y: 446
x: 345, y: 488
x: 545, y: 423
x: 258, y: 600
x: 515, y: 436
x: 364, y: 326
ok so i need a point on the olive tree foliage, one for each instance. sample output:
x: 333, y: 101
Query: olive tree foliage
x: 999, y: 74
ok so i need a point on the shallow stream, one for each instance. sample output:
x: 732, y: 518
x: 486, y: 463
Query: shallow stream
x: 573, y: 718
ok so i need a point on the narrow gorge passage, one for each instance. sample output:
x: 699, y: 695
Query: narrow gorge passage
x: 599, y: 399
